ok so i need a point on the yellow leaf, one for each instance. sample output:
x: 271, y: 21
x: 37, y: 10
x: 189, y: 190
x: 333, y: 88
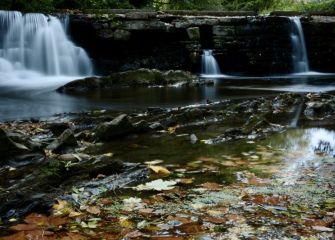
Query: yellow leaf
x: 124, y: 222
x: 160, y: 170
x: 185, y: 181
x: 74, y: 214
x: 60, y: 205
x: 172, y: 130
x: 109, y: 154
x: 154, y: 162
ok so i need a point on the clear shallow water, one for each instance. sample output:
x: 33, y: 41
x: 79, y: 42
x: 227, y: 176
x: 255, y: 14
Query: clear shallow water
x: 35, y: 97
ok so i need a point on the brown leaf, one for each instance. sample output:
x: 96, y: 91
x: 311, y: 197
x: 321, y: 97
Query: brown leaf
x: 179, y: 219
x: 134, y: 234
x: 25, y: 227
x: 215, y: 220
x: 146, y: 211
x: 74, y: 236
x: 212, y: 186
x: 166, y: 238
x: 57, y: 221
x: 16, y: 236
x: 106, y: 201
x: 191, y: 228
x: 93, y: 210
x: 37, y: 219
x: 270, y: 200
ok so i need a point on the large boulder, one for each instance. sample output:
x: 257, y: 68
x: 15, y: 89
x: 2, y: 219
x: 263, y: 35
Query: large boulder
x: 119, y: 126
x: 139, y: 77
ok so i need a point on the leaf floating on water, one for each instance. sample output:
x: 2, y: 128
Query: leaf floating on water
x: 212, y: 186
x: 108, y: 154
x: 185, y: 181
x: 158, y: 185
x: 172, y: 130
x: 160, y: 170
x: 154, y: 162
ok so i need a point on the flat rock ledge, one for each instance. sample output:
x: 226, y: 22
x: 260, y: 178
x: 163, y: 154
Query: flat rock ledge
x: 135, y: 78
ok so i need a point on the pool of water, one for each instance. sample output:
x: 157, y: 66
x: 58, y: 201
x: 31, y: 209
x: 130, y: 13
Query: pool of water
x: 31, y: 99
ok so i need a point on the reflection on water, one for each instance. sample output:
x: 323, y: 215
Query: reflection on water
x: 305, y: 148
x: 18, y: 102
x: 35, y: 96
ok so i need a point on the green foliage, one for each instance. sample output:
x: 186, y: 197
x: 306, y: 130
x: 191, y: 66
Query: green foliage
x: 27, y: 5
x: 227, y: 5
x: 252, y: 5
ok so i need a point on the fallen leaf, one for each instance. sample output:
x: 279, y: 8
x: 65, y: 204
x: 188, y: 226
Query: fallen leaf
x: 158, y: 185
x: 172, y: 130
x: 146, y: 211
x: 212, y: 186
x: 93, y: 210
x: 160, y: 170
x: 215, y: 220
x: 134, y: 234
x: 322, y: 229
x: 24, y: 227
x: 154, y: 162
x: 185, y: 181
x: 191, y: 228
x: 105, y: 201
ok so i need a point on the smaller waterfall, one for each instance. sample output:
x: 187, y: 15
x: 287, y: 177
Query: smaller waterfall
x: 299, y: 53
x: 209, y: 64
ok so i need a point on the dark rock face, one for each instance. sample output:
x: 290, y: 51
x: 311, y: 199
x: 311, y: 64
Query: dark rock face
x: 244, y: 44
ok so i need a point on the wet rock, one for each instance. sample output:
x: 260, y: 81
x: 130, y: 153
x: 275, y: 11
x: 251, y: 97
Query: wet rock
x: 156, y: 110
x: 122, y: 35
x: 319, y: 109
x: 156, y: 126
x: 142, y: 126
x: 174, y: 76
x: 193, y: 33
x: 139, y: 77
x: 119, y: 126
x: 10, y: 148
x: 57, y: 128
x: 193, y: 138
x: 23, y: 205
x: 63, y: 142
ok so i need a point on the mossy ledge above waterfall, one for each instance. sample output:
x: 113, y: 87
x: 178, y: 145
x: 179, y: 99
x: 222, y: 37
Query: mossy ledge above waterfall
x: 134, y: 78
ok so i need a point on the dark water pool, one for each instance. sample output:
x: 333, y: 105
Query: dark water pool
x: 22, y: 103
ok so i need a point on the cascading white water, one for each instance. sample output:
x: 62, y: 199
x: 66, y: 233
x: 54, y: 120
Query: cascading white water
x: 209, y: 64
x: 299, y: 53
x: 36, y: 44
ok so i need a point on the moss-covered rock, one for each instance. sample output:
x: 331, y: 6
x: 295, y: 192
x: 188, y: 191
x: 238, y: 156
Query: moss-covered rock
x: 140, y: 77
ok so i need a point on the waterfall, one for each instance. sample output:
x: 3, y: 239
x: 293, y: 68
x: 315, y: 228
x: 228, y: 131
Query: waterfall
x: 299, y: 53
x: 36, y: 43
x: 209, y: 63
